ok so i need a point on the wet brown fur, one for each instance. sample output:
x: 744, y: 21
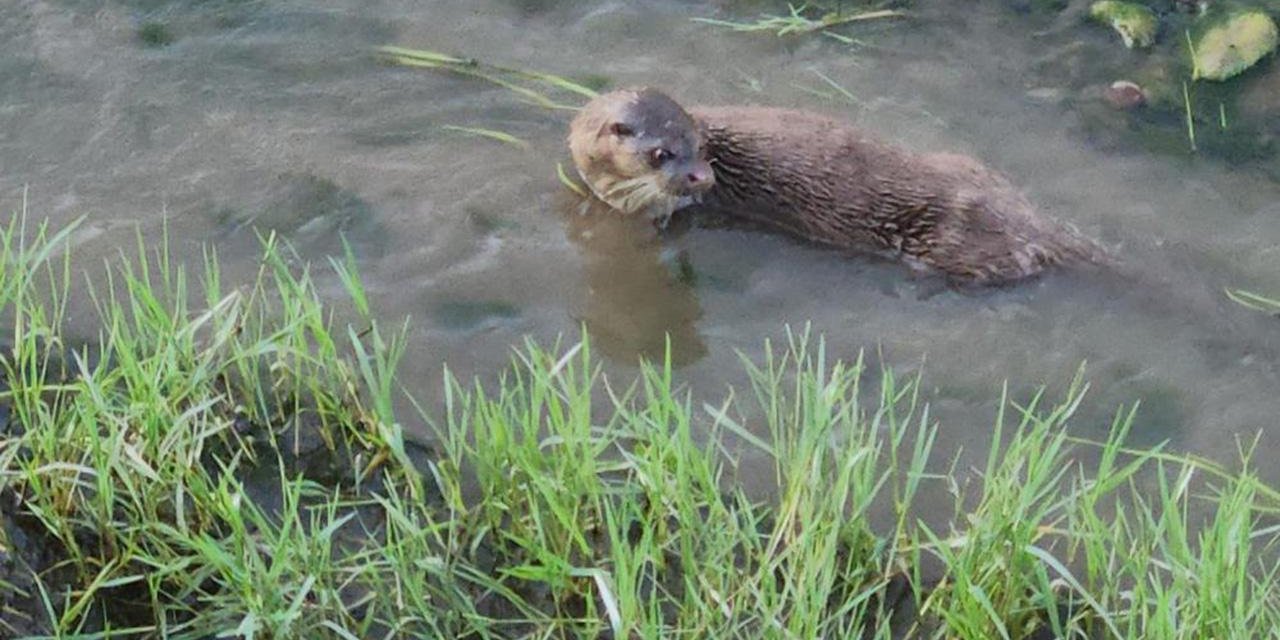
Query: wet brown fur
x: 829, y: 183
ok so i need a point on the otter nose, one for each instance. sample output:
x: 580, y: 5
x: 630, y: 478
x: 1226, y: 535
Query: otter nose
x: 700, y: 177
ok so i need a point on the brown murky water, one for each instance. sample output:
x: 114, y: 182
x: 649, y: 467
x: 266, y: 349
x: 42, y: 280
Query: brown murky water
x: 274, y: 114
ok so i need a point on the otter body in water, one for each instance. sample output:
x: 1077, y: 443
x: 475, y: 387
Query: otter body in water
x: 816, y: 178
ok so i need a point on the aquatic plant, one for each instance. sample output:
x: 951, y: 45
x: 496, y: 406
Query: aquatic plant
x: 1189, y: 117
x: 516, y: 80
x: 1226, y: 43
x: 796, y: 22
x: 572, y: 184
x: 1255, y: 301
x: 492, y: 134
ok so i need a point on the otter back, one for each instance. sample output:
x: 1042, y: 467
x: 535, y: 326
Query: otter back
x: 829, y: 183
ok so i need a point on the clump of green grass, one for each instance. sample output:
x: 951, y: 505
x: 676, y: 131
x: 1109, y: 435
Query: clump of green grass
x: 159, y: 468
x: 130, y: 452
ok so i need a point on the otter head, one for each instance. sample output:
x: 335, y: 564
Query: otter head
x: 639, y: 151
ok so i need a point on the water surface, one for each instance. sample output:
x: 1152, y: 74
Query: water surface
x: 275, y: 114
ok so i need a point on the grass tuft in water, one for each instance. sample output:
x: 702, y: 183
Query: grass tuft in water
x: 532, y: 86
x: 796, y: 22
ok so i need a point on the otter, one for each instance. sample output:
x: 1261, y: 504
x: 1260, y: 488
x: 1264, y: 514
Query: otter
x: 815, y: 178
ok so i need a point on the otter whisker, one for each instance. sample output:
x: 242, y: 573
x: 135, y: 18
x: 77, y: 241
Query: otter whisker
x: 642, y: 193
x: 623, y: 187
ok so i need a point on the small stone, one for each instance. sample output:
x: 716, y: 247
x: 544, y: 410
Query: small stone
x: 1136, y: 24
x: 1124, y: 95
x: 1231, y: 42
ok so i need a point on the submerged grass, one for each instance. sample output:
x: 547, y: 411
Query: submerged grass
x: 1255, y: 301
x: 492, y: 134
x: 570, y: 183
x: 796, y: 22
x: 228, y: 461
x: 533, y: 86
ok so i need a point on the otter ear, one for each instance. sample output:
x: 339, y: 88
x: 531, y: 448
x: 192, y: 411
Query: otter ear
x: 621, y: 130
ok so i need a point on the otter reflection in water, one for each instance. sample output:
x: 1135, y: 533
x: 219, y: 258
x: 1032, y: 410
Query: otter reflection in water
x: 634, y: 298
x: 820, y: 180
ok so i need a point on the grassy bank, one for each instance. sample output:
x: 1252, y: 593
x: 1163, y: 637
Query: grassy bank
x: 225, y: 459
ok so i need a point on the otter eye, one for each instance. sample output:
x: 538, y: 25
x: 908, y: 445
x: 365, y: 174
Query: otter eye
x: 621, y: 130
x: 659, y: 157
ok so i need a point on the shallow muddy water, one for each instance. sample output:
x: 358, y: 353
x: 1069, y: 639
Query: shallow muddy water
x: 275, y: 114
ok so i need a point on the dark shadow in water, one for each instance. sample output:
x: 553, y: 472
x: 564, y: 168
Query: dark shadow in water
x: 636, y: 298
x: 313, y: 213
